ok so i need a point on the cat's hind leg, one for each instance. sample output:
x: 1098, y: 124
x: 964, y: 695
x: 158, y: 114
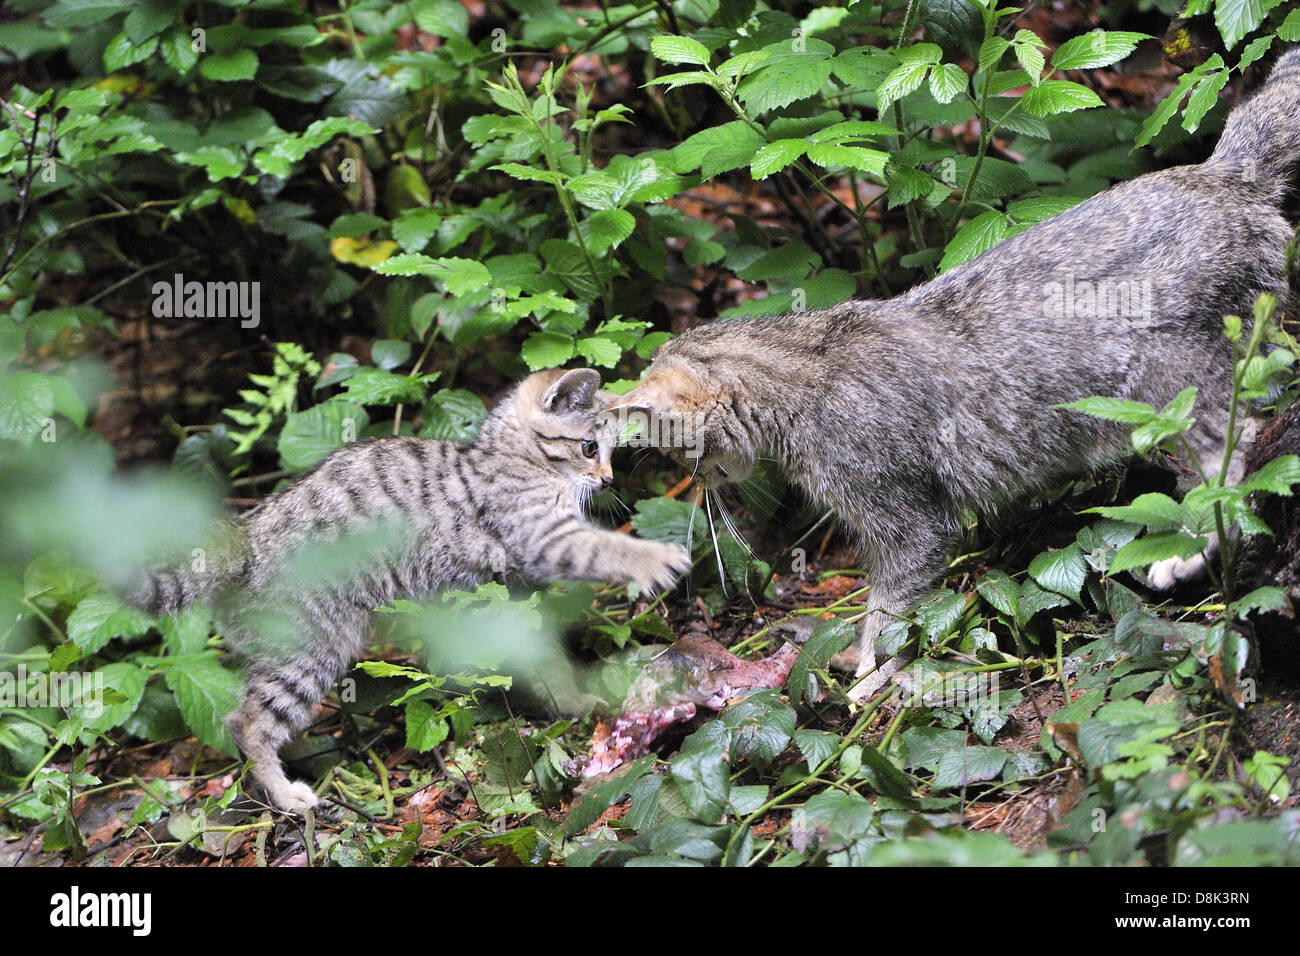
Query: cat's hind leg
x: 1207, y: 440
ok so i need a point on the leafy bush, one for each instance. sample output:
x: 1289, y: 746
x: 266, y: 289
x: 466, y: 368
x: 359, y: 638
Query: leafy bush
x: 476, y: 205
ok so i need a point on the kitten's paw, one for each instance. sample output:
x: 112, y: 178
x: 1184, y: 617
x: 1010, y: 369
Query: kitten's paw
x: 1163, y: 575
x: 661, y: 566
x: 294, y: 797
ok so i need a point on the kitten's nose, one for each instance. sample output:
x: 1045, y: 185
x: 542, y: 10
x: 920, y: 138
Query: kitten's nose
x: 606, y: 480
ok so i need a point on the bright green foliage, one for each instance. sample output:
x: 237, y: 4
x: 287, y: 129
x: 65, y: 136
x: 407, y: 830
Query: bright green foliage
x: 473, y: 211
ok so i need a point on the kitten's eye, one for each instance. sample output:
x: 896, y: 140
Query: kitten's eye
x: 589, y: 448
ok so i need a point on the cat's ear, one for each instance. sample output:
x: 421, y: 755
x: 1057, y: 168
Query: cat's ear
x: 662, y: 390
x: 572, y: 392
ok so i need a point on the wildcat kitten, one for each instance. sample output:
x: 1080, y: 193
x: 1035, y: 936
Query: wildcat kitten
x: 898, y: 414
x: 510, y: 503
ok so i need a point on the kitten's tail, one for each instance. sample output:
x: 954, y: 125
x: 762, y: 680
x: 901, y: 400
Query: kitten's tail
x: 168, y: 590
x: 1261, y: 140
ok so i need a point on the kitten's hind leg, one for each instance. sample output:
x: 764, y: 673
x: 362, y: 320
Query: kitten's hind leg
x: 279, y: 701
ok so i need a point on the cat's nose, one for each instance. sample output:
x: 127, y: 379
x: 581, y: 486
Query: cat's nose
x: 606, y: 480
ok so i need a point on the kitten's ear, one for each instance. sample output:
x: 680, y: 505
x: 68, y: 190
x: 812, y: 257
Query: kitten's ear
x: 572, y: 392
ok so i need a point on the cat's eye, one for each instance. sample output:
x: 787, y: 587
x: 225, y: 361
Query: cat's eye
x: 589, y: 448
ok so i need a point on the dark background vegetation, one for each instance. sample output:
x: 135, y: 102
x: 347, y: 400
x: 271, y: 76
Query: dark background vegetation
x: 437, y: 197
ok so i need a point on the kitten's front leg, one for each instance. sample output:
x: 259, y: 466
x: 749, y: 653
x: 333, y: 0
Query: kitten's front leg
x: 591, y: 554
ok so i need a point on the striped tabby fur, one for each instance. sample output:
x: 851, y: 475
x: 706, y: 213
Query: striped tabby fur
x: 428, y: 516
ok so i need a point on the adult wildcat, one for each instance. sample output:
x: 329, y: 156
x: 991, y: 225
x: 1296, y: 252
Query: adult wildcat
x: 415, y: 516
x: 898, y: 414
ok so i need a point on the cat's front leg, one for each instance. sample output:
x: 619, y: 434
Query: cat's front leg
x: 901, y: 561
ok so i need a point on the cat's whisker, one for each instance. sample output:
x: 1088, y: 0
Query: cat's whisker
x: 690, y: 525
x: 730, y: 524
x: 713, y: 533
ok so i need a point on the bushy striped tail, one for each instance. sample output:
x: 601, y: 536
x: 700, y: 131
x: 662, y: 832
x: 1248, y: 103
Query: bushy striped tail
x: 1261, y: 139
x: 168, y: 590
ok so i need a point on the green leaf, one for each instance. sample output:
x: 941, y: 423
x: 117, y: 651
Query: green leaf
x: 99, y: 618
x: 150, y: 18
x: 1276, y: 477
x: 547, y: 350
x: 1167, y: 108
x: 999, y: 590
x: 453, y: 415
x: 947, y: 82
x: 776, y: 155
x: 413, y: 229
x: 26, y: 401
x: 121, y: 52
x: 1113, y: 409
x: 355, y: 224
x: 606, y: 229
x: 671, y: 49
x: 1236, y: 18
x: 717, y: 149
x: 1203, y: 97
x: 962, y: 766
x: 665, y: 519
x: 827, y: 639
x: 374, y: 386
x: 309, y: 436
x: 229, y: 67
x: 1157, y: 511
x: 129, y: 680
x: 389, y: 353
x: 761, y: 726
x: 833, y: 820
x: 598, y: 350
x: 701, y: 776
x: 1290, y: 28
x: 460, y: 276
x: 1058, y: 96
x: 991, y: 51
x: 1261, y: 599
x: 983, y: 232
x: 444, y: 18
x: 786, y: 77
x: 1156, y: 547
x: 425, y: 728
x: 176, y: 46
x: 816, y: 746
x: 900, y: 82
x: 870, y: 161
x: 1098, y: 48
x: 1062, y: 571
x: 206, y: 694
x: 794, y: 259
